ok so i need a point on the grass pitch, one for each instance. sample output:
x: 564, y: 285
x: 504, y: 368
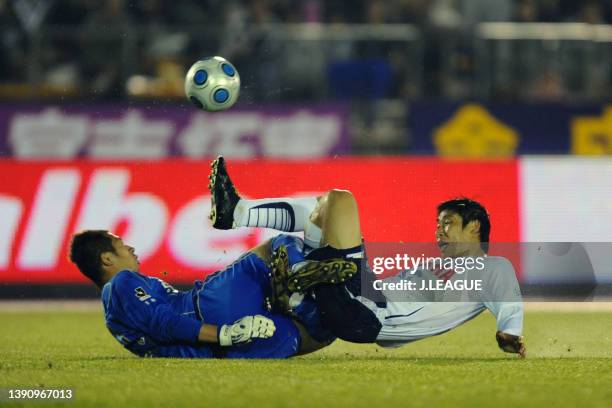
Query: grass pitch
x: 569, y: 364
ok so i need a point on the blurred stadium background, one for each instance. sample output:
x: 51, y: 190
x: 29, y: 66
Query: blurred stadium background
x: 405, y: 102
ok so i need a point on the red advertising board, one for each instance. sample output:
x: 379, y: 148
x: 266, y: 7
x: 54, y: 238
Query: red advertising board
x: 161, y: 207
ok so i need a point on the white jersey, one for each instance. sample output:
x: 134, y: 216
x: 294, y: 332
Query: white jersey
x: 404, y: 321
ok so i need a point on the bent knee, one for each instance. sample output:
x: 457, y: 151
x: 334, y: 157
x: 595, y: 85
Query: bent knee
x: 340, y: 197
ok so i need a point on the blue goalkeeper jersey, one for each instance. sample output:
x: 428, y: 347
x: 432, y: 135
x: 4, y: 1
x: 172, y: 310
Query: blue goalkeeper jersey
x: 151, y: 318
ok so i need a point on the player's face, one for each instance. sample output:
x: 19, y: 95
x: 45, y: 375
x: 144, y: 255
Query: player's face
x: 452, y: 237
x: 124, y: 256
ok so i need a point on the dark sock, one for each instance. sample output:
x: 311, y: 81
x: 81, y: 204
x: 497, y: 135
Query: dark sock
x: 344, y: 316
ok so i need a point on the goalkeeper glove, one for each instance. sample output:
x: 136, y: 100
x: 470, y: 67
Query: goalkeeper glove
x: 246, y: 329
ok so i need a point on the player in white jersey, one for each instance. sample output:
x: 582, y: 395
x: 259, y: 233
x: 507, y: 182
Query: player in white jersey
x: 407, y: 321
x: 462, y: 231
x: 331, y: 226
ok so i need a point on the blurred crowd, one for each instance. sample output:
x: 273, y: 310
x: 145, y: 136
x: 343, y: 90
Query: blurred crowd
x: 114, y: 48
x: 420, y: 12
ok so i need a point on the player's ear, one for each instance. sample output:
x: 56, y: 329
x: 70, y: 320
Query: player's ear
x: 106, y: 258
x: 474, y: 227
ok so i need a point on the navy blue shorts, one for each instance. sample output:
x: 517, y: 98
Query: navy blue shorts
x: 240, y: 290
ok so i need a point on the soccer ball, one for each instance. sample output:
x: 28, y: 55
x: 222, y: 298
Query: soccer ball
x: 212, y: 84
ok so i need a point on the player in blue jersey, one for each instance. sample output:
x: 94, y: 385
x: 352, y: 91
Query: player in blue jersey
x: 225, y: 315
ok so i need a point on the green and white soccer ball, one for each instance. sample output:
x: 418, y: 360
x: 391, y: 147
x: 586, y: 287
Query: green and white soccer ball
x: 212, y: 84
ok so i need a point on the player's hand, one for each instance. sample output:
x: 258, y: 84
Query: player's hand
x: 511, y: 344
x: 246, y: 329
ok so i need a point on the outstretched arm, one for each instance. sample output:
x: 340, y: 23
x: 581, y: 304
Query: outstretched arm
x: 504, y: 300
x: 156, y: 318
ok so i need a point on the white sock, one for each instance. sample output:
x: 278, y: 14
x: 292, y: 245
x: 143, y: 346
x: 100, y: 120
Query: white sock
x: 283, y: 214
x: 312, y: 235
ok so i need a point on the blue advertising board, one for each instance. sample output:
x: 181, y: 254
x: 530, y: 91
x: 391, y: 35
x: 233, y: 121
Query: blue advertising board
x: 504, y: 130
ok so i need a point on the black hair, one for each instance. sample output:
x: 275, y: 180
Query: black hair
x: 470, y: 210
x: 85, y: 250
